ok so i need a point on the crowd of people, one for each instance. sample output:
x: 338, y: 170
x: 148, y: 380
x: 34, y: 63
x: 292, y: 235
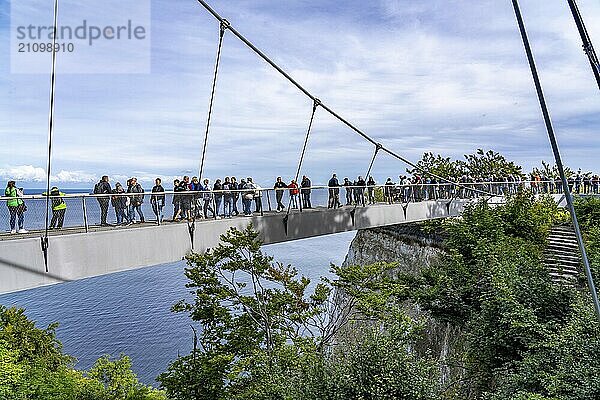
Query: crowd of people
x: 193, y: 199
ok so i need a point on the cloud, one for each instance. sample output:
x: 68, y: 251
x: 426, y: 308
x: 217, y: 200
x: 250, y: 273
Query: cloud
x: 29, y: 173
x: 445, y: 76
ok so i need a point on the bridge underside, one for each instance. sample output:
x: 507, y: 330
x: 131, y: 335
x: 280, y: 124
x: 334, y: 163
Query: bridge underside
x: 81, y: 255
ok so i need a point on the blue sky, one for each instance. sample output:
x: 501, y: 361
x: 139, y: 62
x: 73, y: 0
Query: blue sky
x: 443, y: 76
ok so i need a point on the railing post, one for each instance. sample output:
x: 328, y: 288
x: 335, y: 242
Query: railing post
x: 268, y: 201
x: 85, y: 221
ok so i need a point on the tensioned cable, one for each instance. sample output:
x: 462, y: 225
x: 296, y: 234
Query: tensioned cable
x: 587, y: 42
x: 325, y: 107
x: 557, y: 157
x: 377, y: 148
x: 222, y: 28
x: 316, y: 104
x: 224, y: 25
x: 50, y: 134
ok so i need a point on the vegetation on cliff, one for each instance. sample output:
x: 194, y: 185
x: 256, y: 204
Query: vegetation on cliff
x: 264, y: 332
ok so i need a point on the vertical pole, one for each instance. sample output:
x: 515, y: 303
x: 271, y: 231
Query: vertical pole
x: 557, y: 157
x: 268, y: 200
x: 587, y: 42
x: 85, y: 220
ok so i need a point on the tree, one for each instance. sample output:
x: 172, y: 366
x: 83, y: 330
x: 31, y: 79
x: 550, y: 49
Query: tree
x: 33, y: 366
x: 266, y: 333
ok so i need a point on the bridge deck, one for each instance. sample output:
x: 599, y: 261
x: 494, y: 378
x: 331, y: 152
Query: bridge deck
x: 74, y: 254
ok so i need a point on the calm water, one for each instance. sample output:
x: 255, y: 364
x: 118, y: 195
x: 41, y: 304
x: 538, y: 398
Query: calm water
x: 128, y: 312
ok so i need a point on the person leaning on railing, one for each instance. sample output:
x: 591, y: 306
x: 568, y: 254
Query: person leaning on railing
x: 16, y: 207
x: 59, y: 208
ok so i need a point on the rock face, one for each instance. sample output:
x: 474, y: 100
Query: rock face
x: 413, y: 249
x: 408, y: 245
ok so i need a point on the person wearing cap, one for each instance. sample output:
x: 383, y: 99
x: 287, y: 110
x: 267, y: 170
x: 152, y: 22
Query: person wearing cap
x: 16, y: 207
x: 59, y: 208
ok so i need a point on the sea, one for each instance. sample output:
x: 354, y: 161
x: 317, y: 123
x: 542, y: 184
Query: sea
x: 130, y: 312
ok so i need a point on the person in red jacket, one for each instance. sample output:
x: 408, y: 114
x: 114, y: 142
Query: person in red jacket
x: 294, y: 191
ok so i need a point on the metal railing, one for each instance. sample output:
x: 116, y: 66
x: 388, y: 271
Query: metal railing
x: 83, y: 212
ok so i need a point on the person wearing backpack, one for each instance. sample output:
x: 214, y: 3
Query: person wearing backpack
x: 103, y: 187
x: 59, y: 208
x: 16, y: 207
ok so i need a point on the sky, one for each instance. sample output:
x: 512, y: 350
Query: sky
x: 445, y: 76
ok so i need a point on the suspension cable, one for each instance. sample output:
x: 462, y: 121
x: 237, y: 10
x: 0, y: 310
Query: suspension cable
x: 328, y: 109
x: 556, y: 151
x: 585, y: 38
x: 316, y: 104
x: 44, y: 239
x: 377, y: 148
x: 224, y: 25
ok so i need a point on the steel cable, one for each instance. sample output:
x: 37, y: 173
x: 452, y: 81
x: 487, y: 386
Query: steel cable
x: 588, y: 48
x: 328, y: 109
x: 44, y: 240
x: 557, y: 157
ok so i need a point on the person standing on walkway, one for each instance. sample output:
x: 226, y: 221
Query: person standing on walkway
x: 348, y: 187
x: 119, y: 202
x: 334, y: 192
x: 360, y: 191
x: 371, y: 190
x: 218, y: 189
x: 207, y: 198
x: 294, y: 192
x: 279, y: 187
x: 158, y: 200
x: 16, y: 207
x: 227, y: 198
x: 136, y: 200
x: 185, y: 198
x: 176, y: 200
x: 235, y: 195
x: 196, y: 187
x: 305, y: 191
x: 389, y: 191
x: 257, y: 194
x: 103, y: 187
x: 59, y: 208
x: 247, y: 197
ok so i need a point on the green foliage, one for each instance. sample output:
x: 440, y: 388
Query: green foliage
x: 490, y: 163
x: 266, y: 333
x: 481, y: 164
x: 551, y: 171
x: 588, y: 212
x: 33, y: 366
x: 438, y: 165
